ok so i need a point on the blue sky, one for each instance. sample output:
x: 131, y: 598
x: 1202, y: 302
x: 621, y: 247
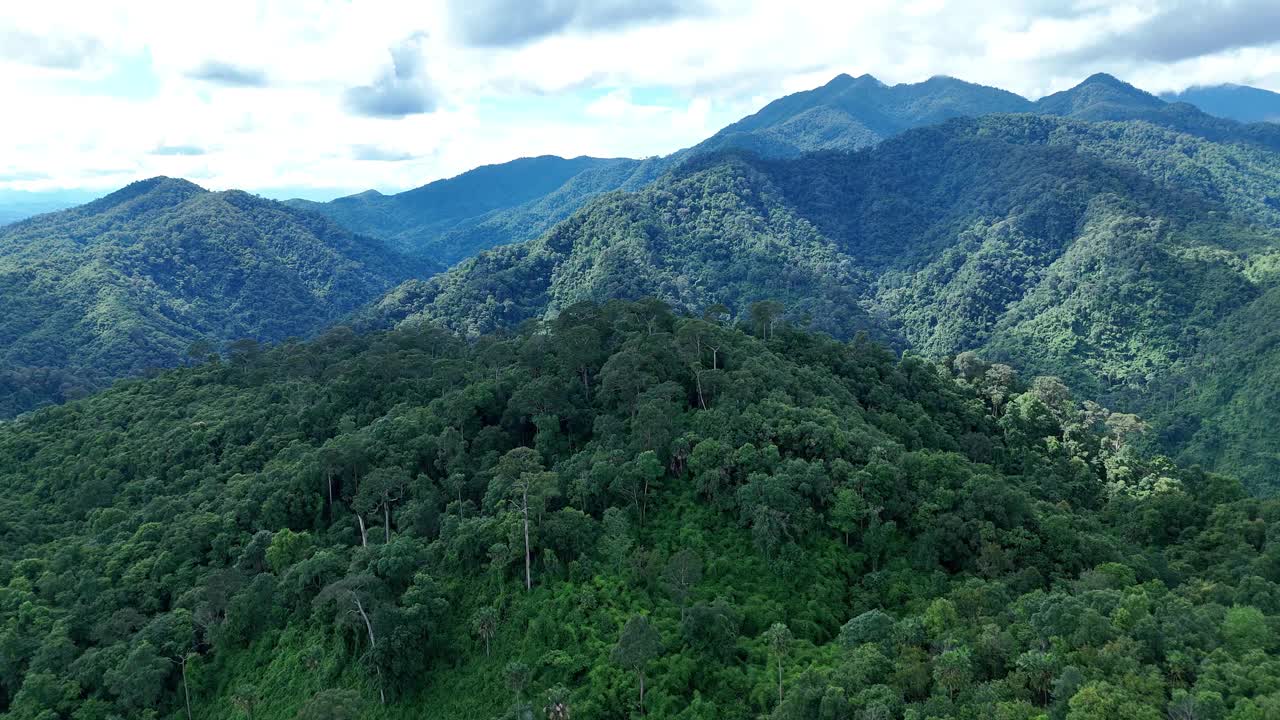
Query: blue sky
x: 325, y: 97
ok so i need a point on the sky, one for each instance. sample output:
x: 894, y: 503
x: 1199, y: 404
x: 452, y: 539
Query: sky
x: 325, y: 97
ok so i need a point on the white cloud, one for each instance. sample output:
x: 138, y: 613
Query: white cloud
x: 259, y: 94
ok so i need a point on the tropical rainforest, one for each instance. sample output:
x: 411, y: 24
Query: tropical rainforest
x: 622, y: 511
x: 1132, y: 260
x: 898, y: 402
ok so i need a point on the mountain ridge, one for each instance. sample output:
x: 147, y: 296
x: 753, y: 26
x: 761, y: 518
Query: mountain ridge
x: 128, y: 281
x: 1001, y: 247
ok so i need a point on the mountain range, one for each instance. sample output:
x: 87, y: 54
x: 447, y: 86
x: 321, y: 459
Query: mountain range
x: 1024, y: 235
x: 886, y: 403
x: 1122, y: 256
x: 847, y: 113
x: 128, y: 282
x: 1238, y: 102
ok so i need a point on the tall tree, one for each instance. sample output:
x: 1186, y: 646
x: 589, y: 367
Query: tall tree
x: 638, y: 646
x: 528, y: 486
x: 778, y: 638
x: 484, y: 622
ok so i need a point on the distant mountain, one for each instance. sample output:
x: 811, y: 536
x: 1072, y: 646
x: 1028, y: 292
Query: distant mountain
x: 1102, y: 97
x: 450, y: 220
x: 129, y: 281
x: 18, y: 205
x: 850, y: 113
x: 1238, y: 102
x: 1099, y: 97
x: 418, y: 220
x: 1112, y: 255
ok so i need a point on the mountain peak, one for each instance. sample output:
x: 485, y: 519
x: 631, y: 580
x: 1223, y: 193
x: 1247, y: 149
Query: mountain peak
x: 845, y: 80
x: 1110, y: 83
x: 158, y: 190
x: 1100, y: 97
x: 1104, y: 78
x: 1238, y: 102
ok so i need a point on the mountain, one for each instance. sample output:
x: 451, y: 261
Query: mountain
x: 419, y: 220
x: 622, y: 511
x: 1112, y: 255
x: 1100, y: 97
x: 18, y: 205
x: 450, y: 220
x: 1238, y: 102
x: 850, y: 113
x: 129, y: 281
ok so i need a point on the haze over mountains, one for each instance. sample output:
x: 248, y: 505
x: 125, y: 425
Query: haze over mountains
x: 1238, y: 102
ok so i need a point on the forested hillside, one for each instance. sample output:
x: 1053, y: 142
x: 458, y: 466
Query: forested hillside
x: 130, y: 281
x: 849, y: 113
x: 621, y: 511
x: 1109, y: 254
x: 451, y: 220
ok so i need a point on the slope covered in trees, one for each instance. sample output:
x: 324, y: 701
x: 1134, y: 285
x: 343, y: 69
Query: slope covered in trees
x: 130, y: 281
x: 451, y: 220
x: 849, y: 113
x: 620, y: 511
x: 1110, y: 254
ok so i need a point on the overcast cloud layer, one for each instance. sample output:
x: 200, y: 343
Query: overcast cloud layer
x: 319, y: 98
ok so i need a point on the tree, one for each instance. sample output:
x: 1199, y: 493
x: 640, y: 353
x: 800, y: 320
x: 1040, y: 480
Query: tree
x: 638, y: 646
x: 1245, y: 628
x: 517, y: 677
x: 378, y: 491
x: 1039, y: 668
x: 681, y: 576
x: 557, y: 707
x: 616, y: 542
x: 484, y: 622
x: 528, y: 486
x: 764, y: 314
x: 952, y: 670
x: 849, y: 512
x: 778, y: 638
x: 332, y: 705
x: 139, y: 681
x: 635, y: 480
x: 997, y: 383
x: 354, y: 597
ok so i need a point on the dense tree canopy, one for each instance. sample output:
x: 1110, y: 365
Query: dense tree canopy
x: 728, y: 515
x: 1132, y: 261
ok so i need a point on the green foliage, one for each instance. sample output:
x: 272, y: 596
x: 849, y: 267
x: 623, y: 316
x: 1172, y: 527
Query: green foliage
x: 990, y: 568
x: 163, y: 271
x: 1134, y: 262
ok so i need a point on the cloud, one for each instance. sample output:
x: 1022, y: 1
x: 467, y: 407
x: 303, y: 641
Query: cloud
x: 49, y: 51
x: 403, y: 89
x: 499, y: 23
x: 221, y: 73
x: 22, y: 175
x: 1188, y: 29
x: 178, y: 150
x: 380, y: 154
